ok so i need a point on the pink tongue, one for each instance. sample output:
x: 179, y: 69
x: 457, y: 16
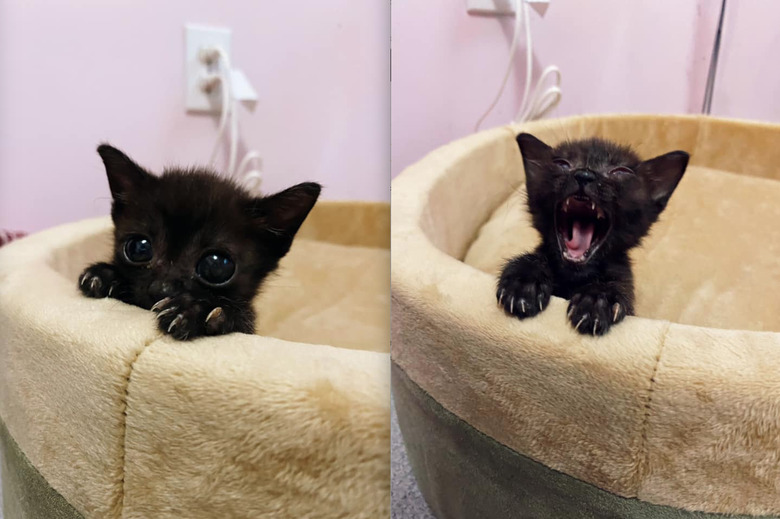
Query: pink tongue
x: 581, y: 236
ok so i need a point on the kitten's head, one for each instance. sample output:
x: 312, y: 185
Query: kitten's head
x: 193, y: 231
x: 591, y: 198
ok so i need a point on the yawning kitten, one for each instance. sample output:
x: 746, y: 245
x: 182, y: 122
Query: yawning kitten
x: 592, y: 201
x: 193, y: 246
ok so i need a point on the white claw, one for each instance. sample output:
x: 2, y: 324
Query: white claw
x: 570, y: 312
x: 522, y: 305
x: 216, y: 312
x: 616, y: 311
x: 579, y: 323
x: 159, y: 304
x: 595, y: 325
x: 110, y: 290
x: 94, y: 283
x: 540, y: 304
x: 176, y: 321
x: 83, y: 279
x: 511, y: 305
x: 167, y: 311
x: 501, y: 298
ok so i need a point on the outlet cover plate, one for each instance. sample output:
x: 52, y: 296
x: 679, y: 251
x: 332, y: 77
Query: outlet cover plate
x: 503, y: 7
x: 197, y: 37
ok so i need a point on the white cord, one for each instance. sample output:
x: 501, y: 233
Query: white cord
x: 540, y: 102
x: 229, y: 112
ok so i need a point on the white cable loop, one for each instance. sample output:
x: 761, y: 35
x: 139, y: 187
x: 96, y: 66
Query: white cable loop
x: 538, y: 104
x: 229, y: 113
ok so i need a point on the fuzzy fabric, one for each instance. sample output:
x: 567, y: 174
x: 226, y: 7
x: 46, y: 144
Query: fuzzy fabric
x: 124, y: 422
x: 679, y: 406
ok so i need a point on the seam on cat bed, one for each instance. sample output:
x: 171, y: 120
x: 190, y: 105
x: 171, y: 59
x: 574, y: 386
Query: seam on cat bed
x: 122, y: 447
x: 643, y: 451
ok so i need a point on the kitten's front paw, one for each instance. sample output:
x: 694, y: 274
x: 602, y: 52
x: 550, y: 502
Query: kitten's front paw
x: 523, y: 291
x: 183, y: 318
x: 594, y: 312
x: 99, y: 280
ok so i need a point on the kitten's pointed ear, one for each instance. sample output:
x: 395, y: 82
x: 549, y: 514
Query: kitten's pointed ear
x: 663, y: 173
x: 124, y: 175
x: 283, y: 214
x: 535, y: 153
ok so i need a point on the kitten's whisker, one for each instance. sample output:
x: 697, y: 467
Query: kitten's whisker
x: 159, y: 304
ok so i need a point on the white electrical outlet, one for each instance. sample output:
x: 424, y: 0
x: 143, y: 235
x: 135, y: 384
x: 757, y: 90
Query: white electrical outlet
x: 197, y: 37
x: 503, y: 7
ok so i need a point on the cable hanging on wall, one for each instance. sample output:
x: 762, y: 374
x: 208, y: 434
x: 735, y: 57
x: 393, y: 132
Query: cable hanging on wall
x: 708, y: 90
x: 248, y: 171
x: 536, y: 104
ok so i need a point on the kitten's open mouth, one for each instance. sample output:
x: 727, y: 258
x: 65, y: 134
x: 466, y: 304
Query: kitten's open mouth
x: 582, y: 226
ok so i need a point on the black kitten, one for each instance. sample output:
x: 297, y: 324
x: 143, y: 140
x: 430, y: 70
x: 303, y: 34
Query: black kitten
x: 192, y: 246
x: 592, y: 201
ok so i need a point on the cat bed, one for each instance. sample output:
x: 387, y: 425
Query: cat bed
x: 673, y: 413
x: 103, y: 417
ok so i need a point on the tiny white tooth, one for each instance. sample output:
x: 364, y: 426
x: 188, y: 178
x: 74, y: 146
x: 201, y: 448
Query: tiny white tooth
x: 592, y: 206
x: 176, y: 321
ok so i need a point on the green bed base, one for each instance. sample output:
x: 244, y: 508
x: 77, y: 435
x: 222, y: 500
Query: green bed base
x: 464, y: 474
x: 26, y: 494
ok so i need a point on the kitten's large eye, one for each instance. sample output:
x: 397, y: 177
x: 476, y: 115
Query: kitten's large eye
x: 138, y: 250
x: 562, y: 163
x: 621, y: 171
x: 215, y: 268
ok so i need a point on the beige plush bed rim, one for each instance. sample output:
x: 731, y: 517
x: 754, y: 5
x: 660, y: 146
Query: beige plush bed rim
x: 123, y: 422
x: 679, y: 406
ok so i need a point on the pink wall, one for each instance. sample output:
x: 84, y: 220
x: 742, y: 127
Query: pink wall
x: 73, y: 74
x: 748, y: 78
x: 615, y: 56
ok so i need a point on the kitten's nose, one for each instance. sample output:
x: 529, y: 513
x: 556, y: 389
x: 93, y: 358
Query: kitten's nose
x: 584, y: 176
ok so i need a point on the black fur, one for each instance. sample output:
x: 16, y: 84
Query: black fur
x: 186, y: 214
x: 629, y: 195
